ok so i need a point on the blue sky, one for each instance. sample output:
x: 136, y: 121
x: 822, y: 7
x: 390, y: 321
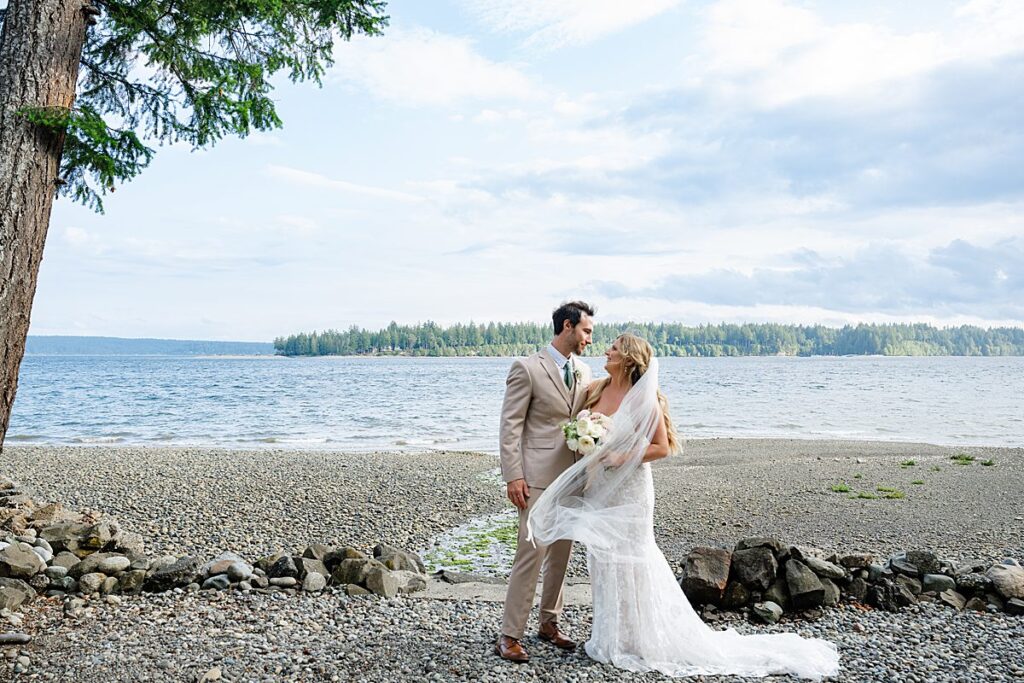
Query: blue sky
x: 740, y: 160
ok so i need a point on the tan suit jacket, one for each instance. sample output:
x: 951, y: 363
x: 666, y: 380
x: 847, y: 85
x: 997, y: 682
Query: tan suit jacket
x: 537, y: 404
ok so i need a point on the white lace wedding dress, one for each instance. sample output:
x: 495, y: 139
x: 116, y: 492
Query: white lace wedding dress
x: 642, y: 621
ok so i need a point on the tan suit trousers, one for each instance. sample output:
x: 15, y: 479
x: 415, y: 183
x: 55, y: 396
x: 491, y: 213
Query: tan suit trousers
x: 522, y: 583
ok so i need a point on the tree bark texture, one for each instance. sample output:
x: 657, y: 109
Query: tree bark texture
x: 40, y: 48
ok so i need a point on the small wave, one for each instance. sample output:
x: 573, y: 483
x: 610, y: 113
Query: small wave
x: 98, y: 439
x: 26, y: 437
x: 291, y: 439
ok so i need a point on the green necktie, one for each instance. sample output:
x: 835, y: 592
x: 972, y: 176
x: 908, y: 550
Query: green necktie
x: 568, y: 374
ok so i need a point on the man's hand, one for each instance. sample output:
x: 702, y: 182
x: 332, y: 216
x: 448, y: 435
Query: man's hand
x: 518, y: 492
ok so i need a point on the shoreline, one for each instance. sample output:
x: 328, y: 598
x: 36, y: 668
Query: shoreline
x: 204, y: 500
x: 208, y: 499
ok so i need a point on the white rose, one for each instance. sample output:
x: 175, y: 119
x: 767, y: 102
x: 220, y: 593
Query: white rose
x: 573, y: 445
x: 587, y: 445
x: 584, y: 426
x: 583, y: 414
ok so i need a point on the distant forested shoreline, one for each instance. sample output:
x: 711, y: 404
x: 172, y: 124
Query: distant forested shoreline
x: 668, y: 339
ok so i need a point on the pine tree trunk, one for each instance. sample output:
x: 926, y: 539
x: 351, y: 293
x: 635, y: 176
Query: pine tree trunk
x: 40, y: 48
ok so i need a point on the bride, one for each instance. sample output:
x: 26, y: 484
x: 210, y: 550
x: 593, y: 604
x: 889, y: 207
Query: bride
x: 642, y: 621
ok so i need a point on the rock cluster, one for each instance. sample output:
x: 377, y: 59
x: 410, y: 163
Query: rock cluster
x: 46, y: 548
x: 769, y: 578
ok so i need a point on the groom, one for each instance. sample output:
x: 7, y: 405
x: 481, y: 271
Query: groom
x: 542, y: 393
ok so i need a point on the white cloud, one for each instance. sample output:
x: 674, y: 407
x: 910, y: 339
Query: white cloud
x: 317, y: 180
x: 424, y: 67
x: 553, y: 24
x: 776, y: 53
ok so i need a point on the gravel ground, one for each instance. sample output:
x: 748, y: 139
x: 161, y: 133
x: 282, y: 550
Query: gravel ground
x: 204, y: 501
x: 182, y: 637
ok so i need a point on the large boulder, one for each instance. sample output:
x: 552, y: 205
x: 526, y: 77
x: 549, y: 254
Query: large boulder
x: 925, y: 561
x: 409, y: 581
x: 284, y: 567
x: 857, y: 589
x: 973, y: 583
x: 955, y: 600
x: 831, y: 598
x: 335, y: 557
x: 380, y: 580
x: 226, y: 563
x: 755, y: 568
x: 826, y: 569
x: 183, y: 571
x: 18, y: 561
x: 890, y: 596
x: 354, y: 571
x: 705, y: 574
x: 14, y: 593
x: 307, y: 565
x: 937, y: 583
x: 400, y: 560
x: 735, y: 595
x: 1008, y: 580
x: 778, y: 548
x: 805, y: 589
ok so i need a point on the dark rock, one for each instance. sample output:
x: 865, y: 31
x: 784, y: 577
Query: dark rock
x: 902, y: 565
x: 265, y: 563
x: 705, y: 574
x: 857, y: 589
x: 805, y: 589
x: 768, y: 611
x: 953, y: 599
x: 977, y: 604
x: 937, y: 583
x: 778, y: 593
x: 15, y: 638
x: 449, y: 576
x: 910, y: 583
x: 925, y: 561
x: 831, y: 598
x: 755, y: 568
x: 1015, y: 606
x: 184, y: 571
x: 283, y: 567
x: 973, y: 583
x: 996, y: 601
x: 777, y: 547
x: 335, y: 557
x: 735, y: 595
x: 354, y: 571
x: 217, y: 582
x: 877, y: 572
x: 856, y: 560
x: 970, y: 567
x: 826, y: 569
x: 890, y: 596
x: 131, y: 581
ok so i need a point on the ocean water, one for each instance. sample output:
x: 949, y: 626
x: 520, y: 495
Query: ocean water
x: 454, y: 403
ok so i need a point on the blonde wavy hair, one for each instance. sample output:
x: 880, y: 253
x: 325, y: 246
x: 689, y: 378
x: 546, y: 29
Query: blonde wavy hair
x: 636, y: 355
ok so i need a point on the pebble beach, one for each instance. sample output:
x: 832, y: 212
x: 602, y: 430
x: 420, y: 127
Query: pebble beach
x: 836, y: 495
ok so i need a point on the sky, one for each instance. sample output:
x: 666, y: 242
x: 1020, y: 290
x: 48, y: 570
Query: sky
x: 664, y: 160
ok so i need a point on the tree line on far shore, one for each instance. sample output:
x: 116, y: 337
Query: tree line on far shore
x: 668, y: 339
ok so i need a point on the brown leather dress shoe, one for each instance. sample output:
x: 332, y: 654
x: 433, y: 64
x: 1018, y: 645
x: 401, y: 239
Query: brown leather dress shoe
x: 549, y: 632
x: 511, y: 649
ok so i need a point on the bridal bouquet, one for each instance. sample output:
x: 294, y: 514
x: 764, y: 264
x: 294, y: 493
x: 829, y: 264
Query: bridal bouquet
x: 583, y: 434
